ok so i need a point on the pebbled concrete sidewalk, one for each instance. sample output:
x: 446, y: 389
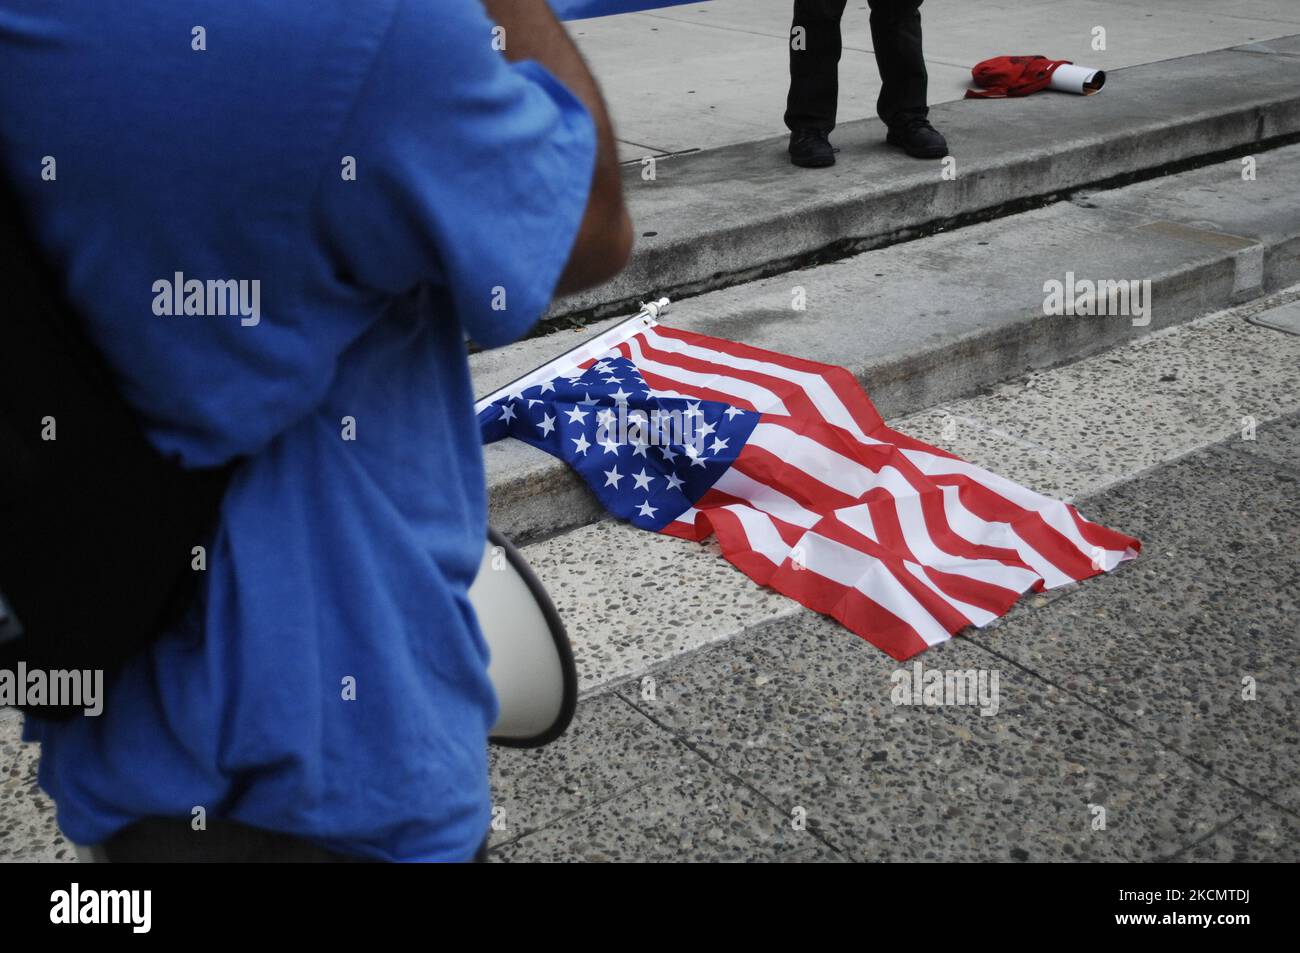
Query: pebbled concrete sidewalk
x: 1123, y: 694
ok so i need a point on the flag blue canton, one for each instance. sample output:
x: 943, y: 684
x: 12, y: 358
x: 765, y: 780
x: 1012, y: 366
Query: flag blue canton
x: 648, y: 457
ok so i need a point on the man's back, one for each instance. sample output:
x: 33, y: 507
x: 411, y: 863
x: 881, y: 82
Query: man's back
x: 278, y: 220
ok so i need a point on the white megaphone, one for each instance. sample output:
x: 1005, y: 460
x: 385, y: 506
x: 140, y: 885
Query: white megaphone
x: 531, y: 665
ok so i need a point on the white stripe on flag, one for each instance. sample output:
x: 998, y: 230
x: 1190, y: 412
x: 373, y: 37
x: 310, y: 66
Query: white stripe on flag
x: 758, y: 397
x: 765, y: 498
x: 818, y: 391
x: 761, y: 532
x: 855, y: 569
x: 846, y: 566
x: 1055, y: 513
x: 859, y: 518
x: 915, y: 534
x: 976, y: 530
x: 821, y: 463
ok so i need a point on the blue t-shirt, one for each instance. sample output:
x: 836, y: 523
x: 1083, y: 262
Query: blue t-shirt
x: 392, y: 183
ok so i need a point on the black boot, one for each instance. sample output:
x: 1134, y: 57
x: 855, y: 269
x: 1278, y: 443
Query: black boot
x: 811, y: 148
x: 918, y: 138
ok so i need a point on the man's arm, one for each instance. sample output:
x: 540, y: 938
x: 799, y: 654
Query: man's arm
x: 604, y: 240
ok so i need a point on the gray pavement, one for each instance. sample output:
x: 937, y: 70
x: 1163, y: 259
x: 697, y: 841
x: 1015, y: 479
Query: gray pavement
x: 706, y: 75
x: 1123, y: 694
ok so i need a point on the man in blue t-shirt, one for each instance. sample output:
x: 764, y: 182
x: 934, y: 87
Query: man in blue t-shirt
x: 377, y: 180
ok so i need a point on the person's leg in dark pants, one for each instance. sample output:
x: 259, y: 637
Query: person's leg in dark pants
x: 814, y: 65
x: 896, y: 38
x: 815, y: 47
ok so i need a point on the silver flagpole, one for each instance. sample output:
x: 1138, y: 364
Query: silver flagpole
x: 594, y: 347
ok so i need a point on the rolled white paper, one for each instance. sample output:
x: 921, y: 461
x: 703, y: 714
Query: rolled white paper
x: 1084, y: 80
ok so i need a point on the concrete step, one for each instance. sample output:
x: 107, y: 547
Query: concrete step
x: 634, y: 601
x: 722, y: 216
x: 927, y: 321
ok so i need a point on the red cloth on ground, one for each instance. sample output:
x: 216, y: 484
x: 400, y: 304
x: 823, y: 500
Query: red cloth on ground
x: 1005, y: 76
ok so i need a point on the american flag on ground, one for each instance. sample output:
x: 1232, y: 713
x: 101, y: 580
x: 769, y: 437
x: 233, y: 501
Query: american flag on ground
x: 788, y: 463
